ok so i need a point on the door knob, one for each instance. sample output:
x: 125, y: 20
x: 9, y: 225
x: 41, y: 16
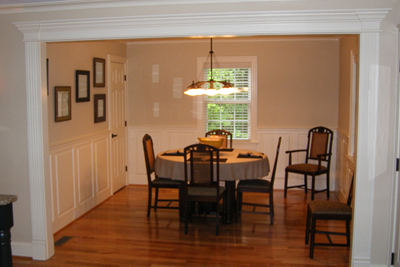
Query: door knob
x: 114, y: 135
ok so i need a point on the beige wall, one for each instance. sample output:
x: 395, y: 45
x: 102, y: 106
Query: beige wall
x: 14, y: 172
x: 298, y: 79
x: 64, y: 60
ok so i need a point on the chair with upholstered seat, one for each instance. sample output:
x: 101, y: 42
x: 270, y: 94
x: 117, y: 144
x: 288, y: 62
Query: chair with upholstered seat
x: 227, y: 143
x: 258, y: 186
x: 202, y: 180
x: 156, y: 182
x: 319, y: 150
x: 328, y: 210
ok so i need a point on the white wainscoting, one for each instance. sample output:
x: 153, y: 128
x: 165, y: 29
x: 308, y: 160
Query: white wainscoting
x: 165, y: 138
x: 344, y: 166
x: 80, y: 176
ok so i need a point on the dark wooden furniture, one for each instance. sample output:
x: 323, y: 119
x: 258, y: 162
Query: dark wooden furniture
x: 258, y: 186
x: 223, y: 133
x: 6, y: 222
x: 328, y: 210
x: 232, y: 168
x: 202, y: 179
x: 319, y: 149
x: 157, y: 182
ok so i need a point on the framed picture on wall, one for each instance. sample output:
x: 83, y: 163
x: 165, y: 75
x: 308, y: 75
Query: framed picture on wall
x: 82, y: 85
x: 99, y: 108
x: 99, y: 72
x: 62, y: 103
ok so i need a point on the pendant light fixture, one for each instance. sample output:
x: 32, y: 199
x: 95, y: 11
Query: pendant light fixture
x: 210, y: 87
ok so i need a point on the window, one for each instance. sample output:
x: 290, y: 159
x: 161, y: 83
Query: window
x: 230, y: 112
x: 236, y: 112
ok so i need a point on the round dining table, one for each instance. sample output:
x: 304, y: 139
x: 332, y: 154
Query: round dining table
x: 235, y: 164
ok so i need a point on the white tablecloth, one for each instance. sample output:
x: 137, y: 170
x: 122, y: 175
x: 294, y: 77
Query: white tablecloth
x: 233, y: 169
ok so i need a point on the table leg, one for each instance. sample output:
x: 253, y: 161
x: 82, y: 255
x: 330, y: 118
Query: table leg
x: 230, y: 198
x: 6, y: 222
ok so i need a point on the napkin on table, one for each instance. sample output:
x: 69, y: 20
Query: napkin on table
x: 173, y: 153
x: 249, y: 155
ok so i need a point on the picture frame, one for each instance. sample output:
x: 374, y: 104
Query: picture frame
x: 99, y: 108
x: 47, y: 76
x: 82, y: 85
x: 99, y: 72
x: 62, y: 103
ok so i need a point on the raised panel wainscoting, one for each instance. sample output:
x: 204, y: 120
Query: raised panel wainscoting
x: 80, y: 177
x: 344, y: 166
x: 166, y: 138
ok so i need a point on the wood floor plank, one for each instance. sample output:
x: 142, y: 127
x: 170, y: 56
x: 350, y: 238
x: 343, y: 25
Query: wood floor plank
x: 118, y: 233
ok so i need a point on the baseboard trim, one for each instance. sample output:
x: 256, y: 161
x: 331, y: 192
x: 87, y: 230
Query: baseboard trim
x: 22, y: 249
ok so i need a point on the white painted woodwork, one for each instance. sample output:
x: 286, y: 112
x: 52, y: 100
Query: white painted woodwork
x: 39, y: 170
x: 79, y: 177
x: 117, y: 93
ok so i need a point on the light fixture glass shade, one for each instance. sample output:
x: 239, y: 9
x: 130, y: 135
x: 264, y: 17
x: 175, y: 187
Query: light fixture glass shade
x: 208, y: 88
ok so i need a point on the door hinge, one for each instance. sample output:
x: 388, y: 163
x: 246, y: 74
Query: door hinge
x: 126, y: 123
x: 397, y: 164
x: 126, y: 168
x: 392, y: 260
x: 124, y: 77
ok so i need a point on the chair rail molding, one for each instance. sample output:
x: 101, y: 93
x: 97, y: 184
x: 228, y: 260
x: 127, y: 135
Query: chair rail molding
x: 36, y: 33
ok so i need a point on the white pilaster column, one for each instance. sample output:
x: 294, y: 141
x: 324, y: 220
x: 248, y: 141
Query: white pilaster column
x: 42, y: 237
x: 366, y: 149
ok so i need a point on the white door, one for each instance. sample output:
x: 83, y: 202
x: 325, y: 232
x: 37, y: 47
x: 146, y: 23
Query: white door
x: 117, y: 93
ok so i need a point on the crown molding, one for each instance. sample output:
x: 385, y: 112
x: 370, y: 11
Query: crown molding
x: 206, y: 24
x: 223, y: 39
x: 57, y: 5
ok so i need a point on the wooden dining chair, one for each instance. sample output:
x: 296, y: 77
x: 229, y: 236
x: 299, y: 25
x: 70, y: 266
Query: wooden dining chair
x: 319, y: 150
x: 155, y: 181
x: 202, y: 180
x: 227, y: 143
x: 328, y: 210
x: 258, y: 186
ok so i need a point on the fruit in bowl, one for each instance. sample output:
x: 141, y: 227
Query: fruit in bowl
x: 212, y: 141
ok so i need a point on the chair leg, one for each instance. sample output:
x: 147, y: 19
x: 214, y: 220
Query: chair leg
x: 149, y: 201
x: 156, y: 200
x: 286, y: 183
x: 313, y: 223
x: 186, y: 216
x: 313, y: 188
x: 305, y: 184
x: 238, y: 205
x: 271, y: 207
x: 348, y: 232
x: 327, y: 185
x: 308, y: 225
x: 218, y: 219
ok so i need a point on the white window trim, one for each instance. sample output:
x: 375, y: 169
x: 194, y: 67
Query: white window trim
x: 252, y: 60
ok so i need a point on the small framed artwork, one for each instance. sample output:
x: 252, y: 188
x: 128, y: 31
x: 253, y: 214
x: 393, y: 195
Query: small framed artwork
x: 82, y: 85
x: 99, y: 72
x: 47, y: 75
x: 99, y: 108
x: 62, y: 103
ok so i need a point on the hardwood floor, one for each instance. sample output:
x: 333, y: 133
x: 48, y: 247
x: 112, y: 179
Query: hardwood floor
x: 118, y: 233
